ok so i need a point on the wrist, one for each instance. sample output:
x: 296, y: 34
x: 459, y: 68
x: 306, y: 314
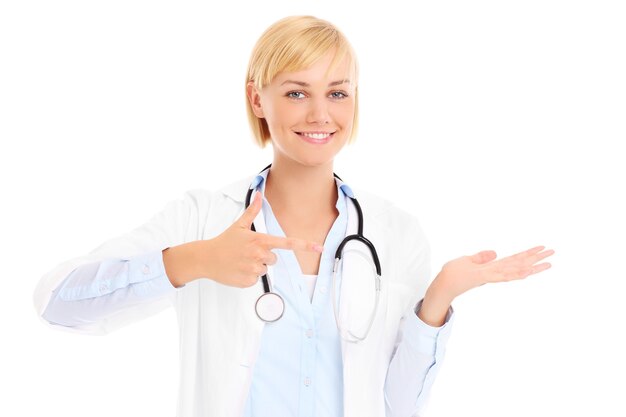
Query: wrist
x: 439, y: 291
x: 435, y: 305
x: 182, y: 263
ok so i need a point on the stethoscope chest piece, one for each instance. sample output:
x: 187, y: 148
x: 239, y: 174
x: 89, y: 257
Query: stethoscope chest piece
x: 270, y: 307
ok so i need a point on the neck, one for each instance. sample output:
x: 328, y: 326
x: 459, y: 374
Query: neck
x: 301, y: 189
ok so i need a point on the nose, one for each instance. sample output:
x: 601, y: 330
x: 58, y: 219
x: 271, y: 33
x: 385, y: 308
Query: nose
x: 318, y: 112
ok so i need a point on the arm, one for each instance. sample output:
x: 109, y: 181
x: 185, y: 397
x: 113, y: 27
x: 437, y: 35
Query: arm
x: 415, y: 363
x: 95, y: 291
x: 107, y: 288
x: 423, y: 331
x: 177, y: 223
x: 409, y: 372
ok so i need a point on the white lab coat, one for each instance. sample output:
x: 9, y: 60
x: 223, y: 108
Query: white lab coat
x: 218, y: 328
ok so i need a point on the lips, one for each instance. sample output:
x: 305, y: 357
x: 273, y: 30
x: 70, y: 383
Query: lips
x: 315, y: 132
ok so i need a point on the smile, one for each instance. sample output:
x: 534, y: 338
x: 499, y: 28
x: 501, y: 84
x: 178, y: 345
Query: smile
x: 316, y: 137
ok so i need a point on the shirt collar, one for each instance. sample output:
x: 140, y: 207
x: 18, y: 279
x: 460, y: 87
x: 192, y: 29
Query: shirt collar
x: 260, y: 180
x: 373, y: 206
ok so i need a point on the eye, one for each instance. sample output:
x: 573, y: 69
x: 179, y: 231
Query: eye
x: 340, y: 92
x: 335, y: 94
x: 289, y: 94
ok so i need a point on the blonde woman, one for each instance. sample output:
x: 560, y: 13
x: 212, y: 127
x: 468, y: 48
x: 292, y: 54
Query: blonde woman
x: 296, y: 294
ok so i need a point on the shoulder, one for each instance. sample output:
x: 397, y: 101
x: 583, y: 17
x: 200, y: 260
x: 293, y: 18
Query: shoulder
x: 219, y: 204
x: 387, y: 214
x: 400, y: 241
x: 233, y: 191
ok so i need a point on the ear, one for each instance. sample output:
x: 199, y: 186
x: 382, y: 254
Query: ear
x: 255, y: 99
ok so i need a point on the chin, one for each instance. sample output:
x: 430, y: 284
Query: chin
x: 316, y: 160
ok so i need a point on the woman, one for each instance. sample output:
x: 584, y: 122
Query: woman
x: 337, y: 340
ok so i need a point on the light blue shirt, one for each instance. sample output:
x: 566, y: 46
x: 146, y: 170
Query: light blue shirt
x: 299, y: 368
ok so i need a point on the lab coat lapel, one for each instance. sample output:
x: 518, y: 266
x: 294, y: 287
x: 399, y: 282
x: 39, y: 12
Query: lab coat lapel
x: 358, y: 299
x: 347, y: 270
x: 250, y: 296
x: 357, y: 295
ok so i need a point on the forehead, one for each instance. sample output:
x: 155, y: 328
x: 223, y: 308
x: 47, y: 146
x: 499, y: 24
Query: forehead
x: 319, y: 73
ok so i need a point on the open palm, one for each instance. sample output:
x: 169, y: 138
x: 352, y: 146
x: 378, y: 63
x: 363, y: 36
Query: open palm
x: 462, y: 274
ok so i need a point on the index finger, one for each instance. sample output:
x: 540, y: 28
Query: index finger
x: 526, y: 253
x: 292, y: 243
x: 530, y: 256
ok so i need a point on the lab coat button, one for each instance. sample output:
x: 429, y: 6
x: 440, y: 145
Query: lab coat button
x: 146, y: 269
x: 309, y: 333
x: 307, y: 381
x: 103, y: 287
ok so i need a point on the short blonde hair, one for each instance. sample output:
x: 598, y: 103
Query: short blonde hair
x: 291, y: 44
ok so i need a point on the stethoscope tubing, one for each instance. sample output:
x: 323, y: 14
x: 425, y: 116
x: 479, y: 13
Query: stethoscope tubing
x: 268, y: 295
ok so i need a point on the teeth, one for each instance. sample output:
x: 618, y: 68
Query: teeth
x: 317, y: 135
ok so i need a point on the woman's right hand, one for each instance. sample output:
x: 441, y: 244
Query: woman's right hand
x: 237, y: 257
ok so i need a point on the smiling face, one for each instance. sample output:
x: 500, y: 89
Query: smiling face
x: 309, y: 113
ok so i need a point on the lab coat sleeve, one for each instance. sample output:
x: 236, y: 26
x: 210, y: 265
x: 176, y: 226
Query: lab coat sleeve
x: 419, y: 348
x: 179, y: 222
x: 97, y: 290
x: 415, y: 365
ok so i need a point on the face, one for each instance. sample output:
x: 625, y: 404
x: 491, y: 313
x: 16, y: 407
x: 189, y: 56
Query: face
x: 309, y: 114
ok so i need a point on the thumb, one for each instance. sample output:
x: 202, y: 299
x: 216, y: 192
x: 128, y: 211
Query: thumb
x: 483, y: 256
x: 251, y: 212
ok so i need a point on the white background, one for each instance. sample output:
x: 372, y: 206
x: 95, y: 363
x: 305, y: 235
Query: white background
x: 500, y: 125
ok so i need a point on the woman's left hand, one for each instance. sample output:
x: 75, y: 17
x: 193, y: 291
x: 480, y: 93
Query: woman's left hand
x: 462, y: 274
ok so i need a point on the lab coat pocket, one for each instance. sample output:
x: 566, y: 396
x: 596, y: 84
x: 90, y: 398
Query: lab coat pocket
x: 247, y: 355
x: 249, y: 329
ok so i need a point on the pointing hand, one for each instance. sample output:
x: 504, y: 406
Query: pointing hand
x: 239, y: 256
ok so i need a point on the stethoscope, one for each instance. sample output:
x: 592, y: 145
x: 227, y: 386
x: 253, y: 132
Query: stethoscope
x: 270, y: 306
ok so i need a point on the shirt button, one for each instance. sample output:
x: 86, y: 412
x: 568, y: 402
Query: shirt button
x: 309, y: 333
x: 307, y: 381
x: 103, y: 287
x: 323, y: 290
x: 146, y: 269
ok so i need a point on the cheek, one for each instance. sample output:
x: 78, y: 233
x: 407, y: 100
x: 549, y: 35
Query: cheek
x: 286, y: 115
x: 347, y: 114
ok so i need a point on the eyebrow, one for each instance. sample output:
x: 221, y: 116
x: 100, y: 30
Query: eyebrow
x: 303, y: 84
